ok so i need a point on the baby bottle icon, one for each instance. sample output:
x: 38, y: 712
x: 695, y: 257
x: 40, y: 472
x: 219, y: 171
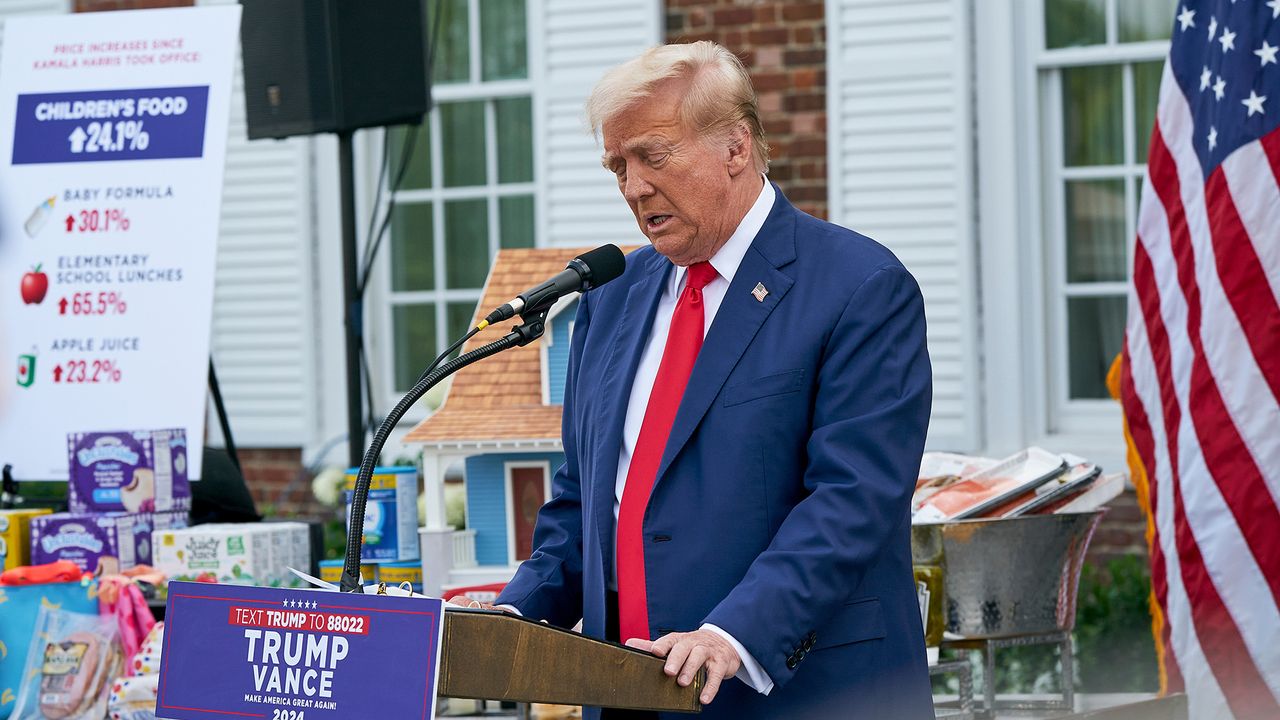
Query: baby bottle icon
x: 39, y: 217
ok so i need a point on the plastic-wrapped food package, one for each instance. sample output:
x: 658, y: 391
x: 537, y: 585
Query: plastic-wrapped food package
x: 71, y: 659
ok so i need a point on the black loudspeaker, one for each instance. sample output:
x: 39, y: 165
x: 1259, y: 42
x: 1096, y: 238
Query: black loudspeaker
x: 316, y: 66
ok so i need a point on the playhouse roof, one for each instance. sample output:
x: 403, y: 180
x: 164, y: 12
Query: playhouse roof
x: 499, y: 400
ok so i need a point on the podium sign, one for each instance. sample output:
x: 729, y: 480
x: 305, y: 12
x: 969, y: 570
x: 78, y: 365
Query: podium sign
x: 297, y: 654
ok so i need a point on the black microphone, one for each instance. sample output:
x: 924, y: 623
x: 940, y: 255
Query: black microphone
x: 589, y: 270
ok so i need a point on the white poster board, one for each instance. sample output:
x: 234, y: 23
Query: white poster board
x: 113, y: 134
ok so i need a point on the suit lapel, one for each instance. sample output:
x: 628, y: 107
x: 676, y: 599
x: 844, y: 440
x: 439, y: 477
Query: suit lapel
x: 736, y: 322
x: 634, y: 326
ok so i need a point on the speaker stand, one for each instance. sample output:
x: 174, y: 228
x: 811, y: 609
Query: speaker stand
x: 354, y: 310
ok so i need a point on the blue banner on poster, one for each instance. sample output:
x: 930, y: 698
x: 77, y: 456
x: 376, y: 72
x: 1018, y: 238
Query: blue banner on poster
x: 297, y: 654
x: 103, y: 125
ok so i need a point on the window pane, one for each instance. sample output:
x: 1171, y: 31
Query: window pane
x: 1146, y: 92
x: 414, y: 327
x: 466, y: 231
x: 412, y: 247
x: 515, y: 216
x: 1095, y: 231
x: 459, y: 315
x: 418, y: 173
x: 462, y: 137
x: 1144, y: 19
x: 452, y: 53
x: 503, y: 38
x: 1093, y: 116
x: 515, y: 139
x: 1069, y: 23
x: 1095, y: 332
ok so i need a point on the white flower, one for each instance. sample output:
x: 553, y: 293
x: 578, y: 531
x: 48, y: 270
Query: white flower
x: 327, y: 485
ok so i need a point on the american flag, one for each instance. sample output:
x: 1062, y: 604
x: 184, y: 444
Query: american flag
x: 1200, y: 380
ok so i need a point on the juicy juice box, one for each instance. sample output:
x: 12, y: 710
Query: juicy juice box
x: 231, y: 554
x: 128, y: 471
x: 15, y: 537
x: 296, y: 550
x: 390, y: 515
x: 83, y: 539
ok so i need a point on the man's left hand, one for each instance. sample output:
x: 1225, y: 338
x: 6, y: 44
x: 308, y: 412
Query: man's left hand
x: 687, y: 652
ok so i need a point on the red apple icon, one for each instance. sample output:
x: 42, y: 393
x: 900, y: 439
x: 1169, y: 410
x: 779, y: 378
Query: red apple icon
x: 34, y: 286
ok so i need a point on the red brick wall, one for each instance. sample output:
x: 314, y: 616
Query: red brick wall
x: 783, y: 47
x: 1121, y: 532
x: 99, y: 5
x: 279, y: 483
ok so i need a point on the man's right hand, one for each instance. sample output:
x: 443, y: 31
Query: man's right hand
x: 466, y: 602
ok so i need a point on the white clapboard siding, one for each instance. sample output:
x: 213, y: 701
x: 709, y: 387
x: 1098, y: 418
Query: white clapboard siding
x: 263, y: 324
x: 901, y: 171
x: 572, y: 44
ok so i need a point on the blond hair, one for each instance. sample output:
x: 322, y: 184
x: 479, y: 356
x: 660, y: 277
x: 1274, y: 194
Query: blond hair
x: 720, y: 97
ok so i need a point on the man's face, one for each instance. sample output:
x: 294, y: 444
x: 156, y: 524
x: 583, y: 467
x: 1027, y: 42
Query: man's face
x: 675, y: 182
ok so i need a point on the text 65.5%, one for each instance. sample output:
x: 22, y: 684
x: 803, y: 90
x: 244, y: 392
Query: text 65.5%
x: 90, y: 303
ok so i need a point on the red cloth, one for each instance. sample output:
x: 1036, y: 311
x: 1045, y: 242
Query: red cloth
x: 684, y: 340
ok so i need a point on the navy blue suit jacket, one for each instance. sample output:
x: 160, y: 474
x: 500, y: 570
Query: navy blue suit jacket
x: 780, y: 511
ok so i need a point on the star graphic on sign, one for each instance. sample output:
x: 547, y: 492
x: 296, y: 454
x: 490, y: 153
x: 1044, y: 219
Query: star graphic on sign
x: 1187, y: 17
x: 1275, y: 8
x: 1205, y: 77
x: 1213, y: 28
x: 284, y: 603
x: 1254, y: 103
x: 1220, y: 88
x: 1267, y: 53
x: 1213, y: 138
x: 1228, y: 39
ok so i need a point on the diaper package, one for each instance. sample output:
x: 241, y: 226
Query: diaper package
x: 390, y: 515
x: 128, y: 471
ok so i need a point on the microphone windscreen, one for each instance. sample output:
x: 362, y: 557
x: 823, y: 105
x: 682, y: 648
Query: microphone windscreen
x: 605, y: 263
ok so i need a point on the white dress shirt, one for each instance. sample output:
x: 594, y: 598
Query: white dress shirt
x: 726, y: 262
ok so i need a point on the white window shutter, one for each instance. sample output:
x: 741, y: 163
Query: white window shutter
x: 264, y: 330
x: 572, y: 44
x: 901, y: 171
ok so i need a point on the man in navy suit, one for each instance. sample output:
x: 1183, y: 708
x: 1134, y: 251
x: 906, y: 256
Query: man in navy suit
x: 744, y: 417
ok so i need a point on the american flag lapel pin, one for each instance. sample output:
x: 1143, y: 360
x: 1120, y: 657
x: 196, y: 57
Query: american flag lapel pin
x: 759, y: 292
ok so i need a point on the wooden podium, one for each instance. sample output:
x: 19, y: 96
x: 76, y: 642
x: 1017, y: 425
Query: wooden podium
x: 493, y: 655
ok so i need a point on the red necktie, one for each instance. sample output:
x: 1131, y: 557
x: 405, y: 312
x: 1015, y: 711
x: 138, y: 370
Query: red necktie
x: 684, y: 339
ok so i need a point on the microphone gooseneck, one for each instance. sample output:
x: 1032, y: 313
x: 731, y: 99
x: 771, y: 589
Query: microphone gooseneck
x: 589, y: 270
